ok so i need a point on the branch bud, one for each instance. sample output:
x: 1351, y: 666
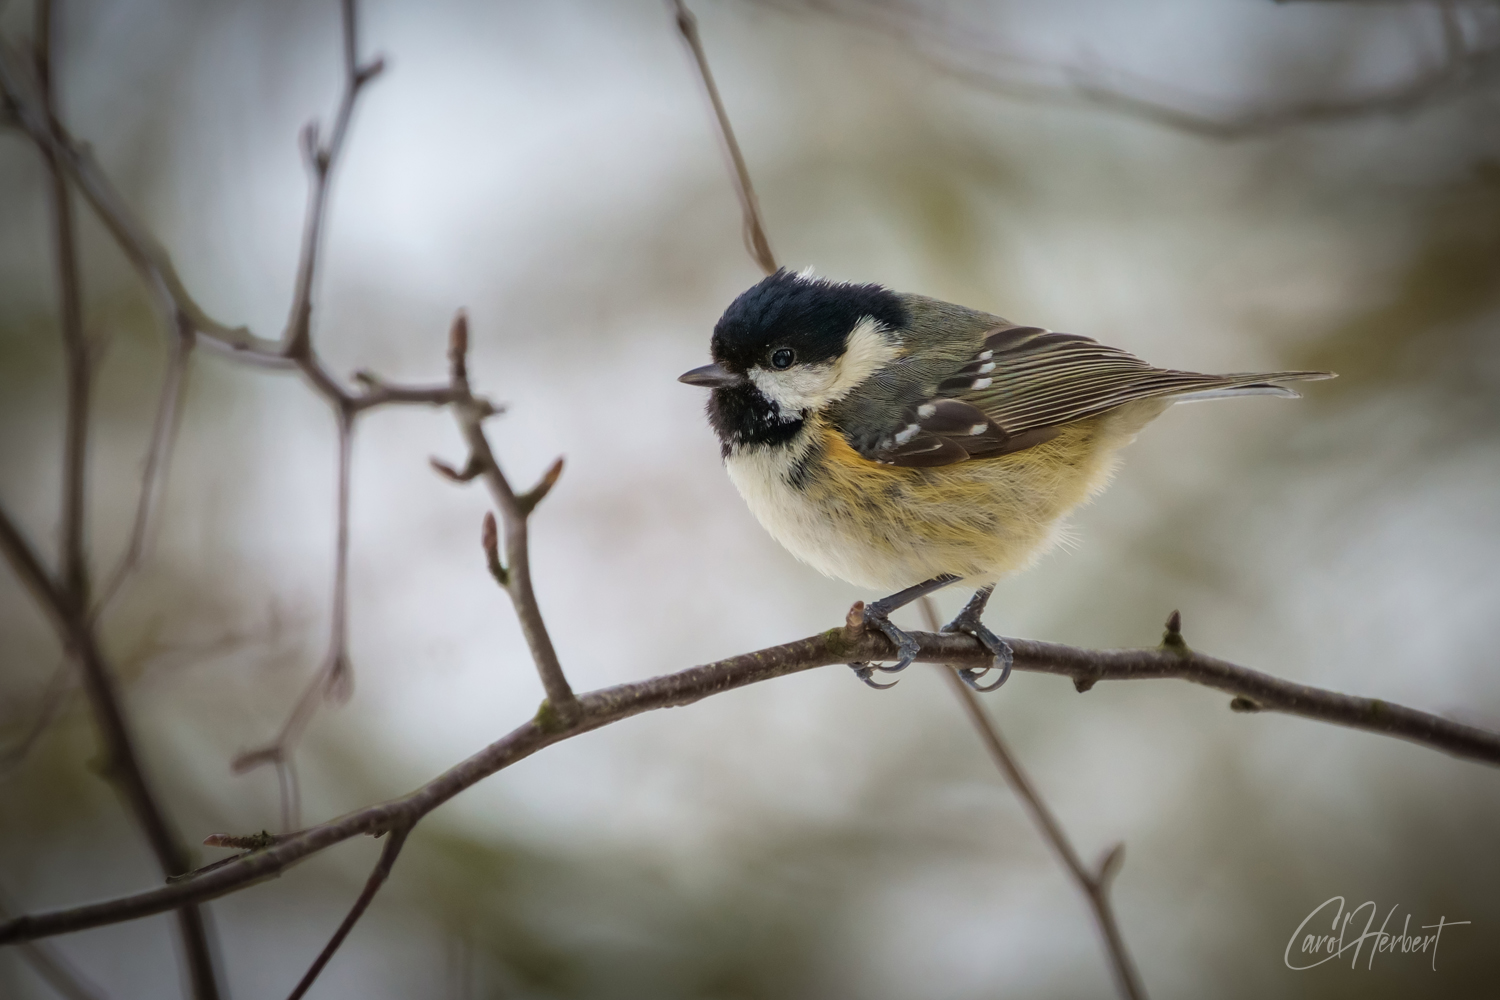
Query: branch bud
x: 458, y: 347
x: 369, y: 71
x: 527, y: 501
x: 1172, y: 637
x: 489, y: 538
x: 469, y: 471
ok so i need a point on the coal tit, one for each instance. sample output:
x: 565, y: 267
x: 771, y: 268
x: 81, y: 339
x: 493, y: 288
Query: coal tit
x: 904, y: 443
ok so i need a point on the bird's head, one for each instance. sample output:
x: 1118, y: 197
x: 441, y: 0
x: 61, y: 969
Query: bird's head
x: 791, y: 345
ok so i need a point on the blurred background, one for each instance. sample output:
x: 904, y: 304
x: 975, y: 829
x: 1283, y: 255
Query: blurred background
x: 552, y: 168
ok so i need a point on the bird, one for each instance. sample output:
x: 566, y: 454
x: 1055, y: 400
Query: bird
x: 900, y: 442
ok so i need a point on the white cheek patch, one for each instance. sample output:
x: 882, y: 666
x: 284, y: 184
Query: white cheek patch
x: 800, y: 387
x: 869, y: 350
x: 812, y: 387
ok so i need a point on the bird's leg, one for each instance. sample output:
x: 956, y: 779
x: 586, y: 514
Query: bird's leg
x: 969, y: 623
x: 878, y: 614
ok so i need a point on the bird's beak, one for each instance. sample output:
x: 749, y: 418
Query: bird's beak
x: 711, y: 377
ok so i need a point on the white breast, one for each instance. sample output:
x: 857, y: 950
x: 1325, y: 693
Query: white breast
x: 761, y: 476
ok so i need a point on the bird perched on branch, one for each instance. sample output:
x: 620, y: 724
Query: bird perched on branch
x: 899, y: 442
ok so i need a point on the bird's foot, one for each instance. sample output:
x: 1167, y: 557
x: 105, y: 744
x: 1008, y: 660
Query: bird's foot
x: 968, y: 622
x: 906, y: 647
x: 878, y: 614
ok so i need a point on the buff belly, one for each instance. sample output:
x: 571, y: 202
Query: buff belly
x: 887, y: 527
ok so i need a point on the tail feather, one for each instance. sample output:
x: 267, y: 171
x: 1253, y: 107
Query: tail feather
x: 1260, y: 384
x: 1243, y: 390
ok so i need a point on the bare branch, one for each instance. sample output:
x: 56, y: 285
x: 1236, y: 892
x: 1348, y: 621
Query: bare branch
x: 321, y: 160
x: 393, y: 844
x: 1095, y: 887
x: 288, y: 792
x: 26, y: 98
x: 334, y: 679
x: 515, y: 576
x: 489, y: 540
x: 75, y: 574
x: 28, y: 567
x: 53, y: 967
x: 151, y: 260
x: 29, y: 97
x: 527, y: 501
x: 158, y: 456
x: 837, y: 646
x: 252, y: 842
x: 1027, y: 78
x: 377, y: 392
x: 756, y: 241
x: 122, y: 764
x: 340, y: 675
x: 471, y: 471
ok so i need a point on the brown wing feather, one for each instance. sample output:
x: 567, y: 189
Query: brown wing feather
x: 1024, y: 382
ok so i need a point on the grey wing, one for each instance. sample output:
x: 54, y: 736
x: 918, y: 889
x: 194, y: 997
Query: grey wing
x: 1025, y: 382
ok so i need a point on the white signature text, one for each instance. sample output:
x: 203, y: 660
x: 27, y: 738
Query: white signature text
x: 1307, y: 948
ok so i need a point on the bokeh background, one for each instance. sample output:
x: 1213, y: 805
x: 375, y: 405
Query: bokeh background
x: 551, y: 167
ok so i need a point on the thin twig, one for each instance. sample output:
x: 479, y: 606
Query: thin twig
x: 515, y: 510
x: 393, y: 843
x: 375, y: 391
x: 150, y: 259
x: 53, y: 967
x: 340, y: 675
x: 321, y: 160
x: 1120, y: 93
x: 334, y: 678
x: 289, y: 793
x: 29, y: 99
x: 122, y: 763
x: 158, y: 456
x: 1095, y: 890
x: 837, y: 646
x: 75, y: 575
x: 69, y: 593
x: 756, y: 242
x: 1095, y: 886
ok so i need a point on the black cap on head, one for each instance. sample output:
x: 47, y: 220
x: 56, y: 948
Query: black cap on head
x: 812, y: 316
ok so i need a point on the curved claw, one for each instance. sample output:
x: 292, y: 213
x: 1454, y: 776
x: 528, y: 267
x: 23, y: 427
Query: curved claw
x: 866, y: 672
x: 906, y: 647
x: 998, y: 647
x: 971, y: 675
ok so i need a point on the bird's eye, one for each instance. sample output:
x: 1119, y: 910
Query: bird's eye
x: 783, y: 358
